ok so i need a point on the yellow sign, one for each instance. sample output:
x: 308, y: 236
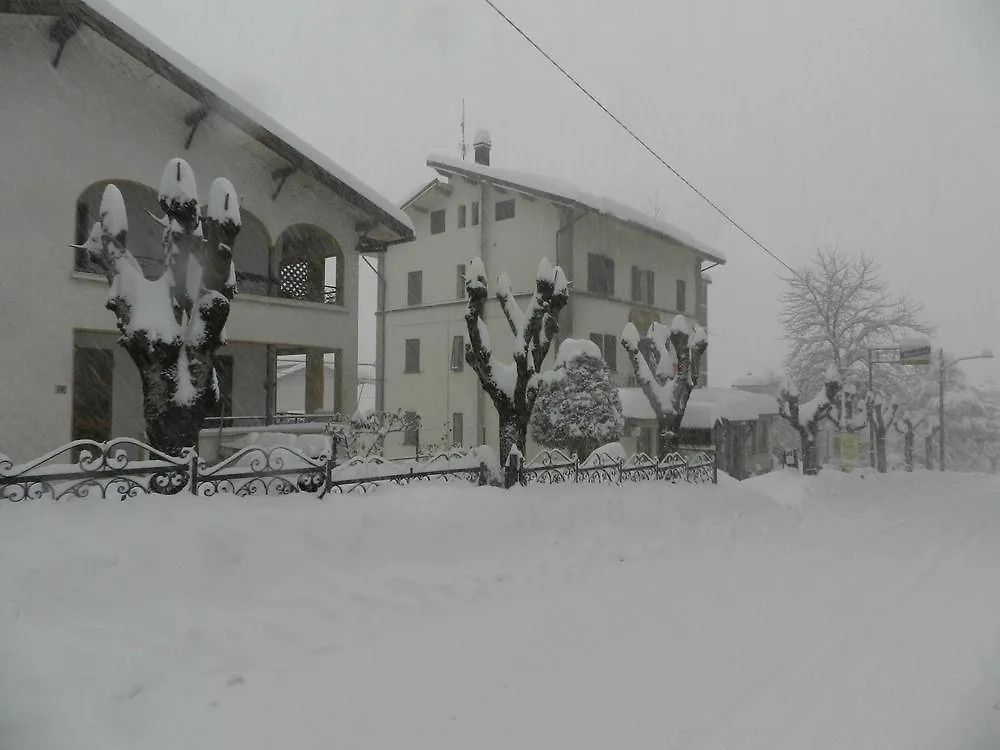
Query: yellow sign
x: 848, y: 448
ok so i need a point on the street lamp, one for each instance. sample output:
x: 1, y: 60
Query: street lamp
x: 985, y: 354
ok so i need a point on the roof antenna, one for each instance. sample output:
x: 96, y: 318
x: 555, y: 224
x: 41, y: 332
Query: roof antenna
x: 461, y: 146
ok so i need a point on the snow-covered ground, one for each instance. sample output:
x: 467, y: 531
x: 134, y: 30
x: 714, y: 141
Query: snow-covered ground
x: 844, y: 612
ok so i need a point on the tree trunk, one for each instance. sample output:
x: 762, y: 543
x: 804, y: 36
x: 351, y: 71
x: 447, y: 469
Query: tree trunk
x: 668, y: 427
x: 928, y: 453
x: 908, y: 450
x: 171, y: 426
x: 513, y: 432
x: 882, y: 463
x: 810, y: 453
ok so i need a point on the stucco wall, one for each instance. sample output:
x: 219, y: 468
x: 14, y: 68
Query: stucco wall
x: 100, y: 115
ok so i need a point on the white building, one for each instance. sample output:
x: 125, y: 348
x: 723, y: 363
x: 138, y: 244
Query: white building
x: 623, y: 265
x: 87, y: 97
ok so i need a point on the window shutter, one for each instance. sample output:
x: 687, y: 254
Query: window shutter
x: 650, y: 287
x: 458, y: 353
x: 460, y: 281
x: 611, y: 352
x: 412, y: 356
x: 609, y: 276
x: 636, y: 284
x: 414, y: 287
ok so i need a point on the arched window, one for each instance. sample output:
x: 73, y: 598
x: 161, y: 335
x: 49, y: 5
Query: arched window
x: 145, y: 235
x: 252, y: 252
x: 310, y: 265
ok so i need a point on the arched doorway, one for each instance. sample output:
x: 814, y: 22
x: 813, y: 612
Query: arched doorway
x: 309, y: 265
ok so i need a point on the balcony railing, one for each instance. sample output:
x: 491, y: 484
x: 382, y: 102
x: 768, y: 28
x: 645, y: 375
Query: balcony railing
x: 247, y: 283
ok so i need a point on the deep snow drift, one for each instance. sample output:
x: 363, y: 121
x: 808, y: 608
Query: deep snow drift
x: 837, y: 613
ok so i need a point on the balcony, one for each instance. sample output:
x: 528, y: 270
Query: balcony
x: 292, y: 286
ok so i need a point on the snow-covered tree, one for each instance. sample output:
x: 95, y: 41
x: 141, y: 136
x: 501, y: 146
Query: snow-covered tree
x: 513, y: 387
x: 882, y: 414
x: 908, y: 424
x: 667, y: 366
x: 807, y: 418
x: 833, y: 310
x: 578, y: 407
x: 172, y: 326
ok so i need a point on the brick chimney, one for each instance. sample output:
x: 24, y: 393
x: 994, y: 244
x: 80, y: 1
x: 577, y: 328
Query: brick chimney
x: 481, y: 147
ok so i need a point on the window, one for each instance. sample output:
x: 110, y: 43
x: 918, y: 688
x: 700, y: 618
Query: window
x: 475, y: 213
x: 642, y: 286
x: 415, y: 287
x: 412, y: 363
x: 460, y: 281
x: 681, y: 295
x: 505, y: 209
x: 224, y: 374
x: 600, y: 274
x: 461, y: 216
x: 411, y: 433
x: 437, y: 221
x: 457, y: 429
x: 458, y: 353
x: 608, y: 344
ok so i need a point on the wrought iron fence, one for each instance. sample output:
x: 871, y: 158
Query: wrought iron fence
x: 555, y: 467
x: 86, y: 468
x: 112, y: 470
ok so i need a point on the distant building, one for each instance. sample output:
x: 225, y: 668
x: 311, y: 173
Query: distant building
x: 739, y: 424
x: 623, y: 265
x: 90, y: 97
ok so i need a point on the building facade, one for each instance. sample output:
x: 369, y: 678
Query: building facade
x: 623, y: 267
x: 88, y: 97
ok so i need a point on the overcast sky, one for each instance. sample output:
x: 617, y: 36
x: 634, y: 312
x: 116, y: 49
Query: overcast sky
x: 872, y: 125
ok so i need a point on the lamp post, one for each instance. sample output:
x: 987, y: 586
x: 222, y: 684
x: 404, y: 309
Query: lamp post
x: 944, y: 366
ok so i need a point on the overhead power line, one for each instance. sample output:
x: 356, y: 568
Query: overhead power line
x: 638, y: 139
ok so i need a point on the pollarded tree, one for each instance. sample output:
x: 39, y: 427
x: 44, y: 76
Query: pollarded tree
x: 807, y: 418
x: 667, y: 366
x: 912, y: 422
x: 833, y: 310
x: 578, y: 407
x: 172, y: 326
x: 513, y: 388
x: 883, y: 413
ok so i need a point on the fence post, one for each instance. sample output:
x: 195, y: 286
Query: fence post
x: 576, y: 468
x: 512, y: 471
x: 483, y: 474
x: 621, y: 470
x: 330, y: 463
x: 194, y: 472
x: 715, y: 468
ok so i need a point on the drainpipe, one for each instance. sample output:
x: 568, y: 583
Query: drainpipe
x: 485, y: 235
x: 380, y: 335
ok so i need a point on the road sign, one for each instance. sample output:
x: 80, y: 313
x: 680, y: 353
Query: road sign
x: 915, y: 355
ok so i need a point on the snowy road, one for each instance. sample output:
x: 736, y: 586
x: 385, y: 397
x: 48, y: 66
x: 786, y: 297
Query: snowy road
x: 866, y: 615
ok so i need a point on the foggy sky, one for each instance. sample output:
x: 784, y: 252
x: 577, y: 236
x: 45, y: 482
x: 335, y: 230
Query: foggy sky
x: 871, y: 125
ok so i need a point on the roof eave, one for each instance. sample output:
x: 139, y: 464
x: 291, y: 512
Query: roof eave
x: 164, y: 68
x: 447, y: 170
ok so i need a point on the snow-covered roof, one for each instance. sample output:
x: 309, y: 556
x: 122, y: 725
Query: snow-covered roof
x: 750, y: 380
x: 121, y: 30
x: 705, y: 407
x: 558, y: 191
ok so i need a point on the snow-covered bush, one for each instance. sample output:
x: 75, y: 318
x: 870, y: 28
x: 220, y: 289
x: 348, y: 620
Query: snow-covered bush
x: 578, y: 408
x: 172, y: 326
